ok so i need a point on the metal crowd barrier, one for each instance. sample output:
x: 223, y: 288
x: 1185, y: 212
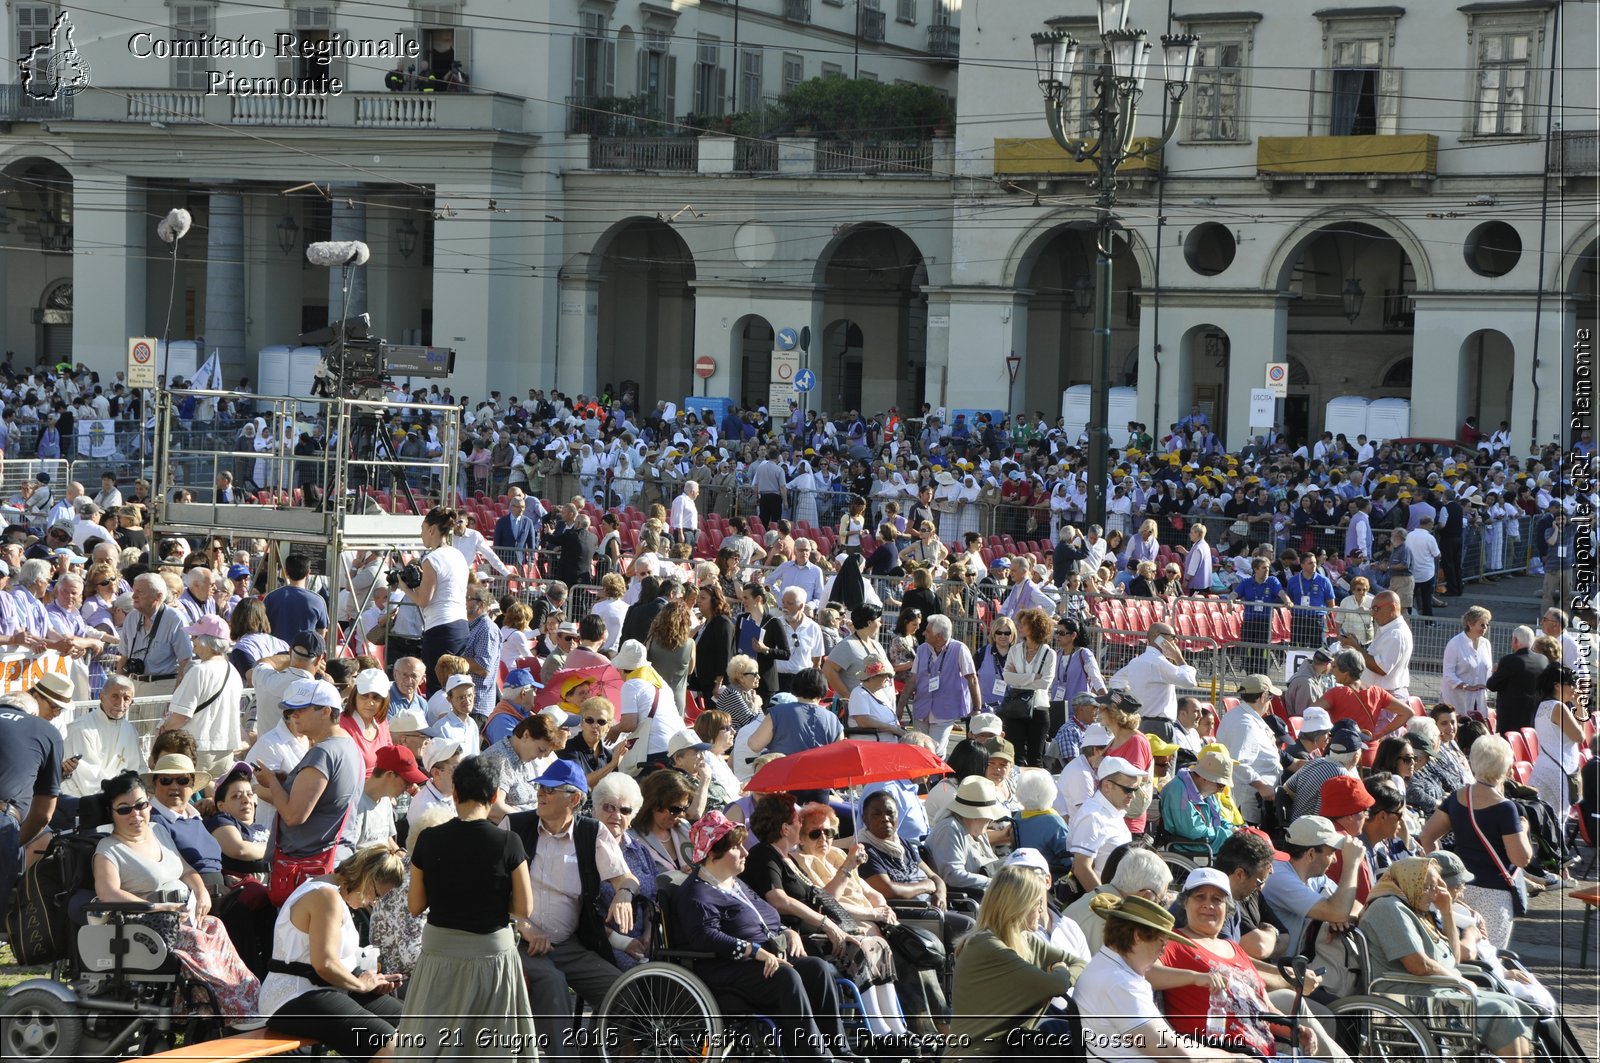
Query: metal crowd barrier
x: 146, y: 714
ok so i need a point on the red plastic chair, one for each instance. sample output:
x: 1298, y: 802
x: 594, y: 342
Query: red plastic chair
x: 1522, y: 771
x: 1519, y: 746
x: 1531, y: 737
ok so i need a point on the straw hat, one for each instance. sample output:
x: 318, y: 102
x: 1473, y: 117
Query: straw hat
x: 176, y: 764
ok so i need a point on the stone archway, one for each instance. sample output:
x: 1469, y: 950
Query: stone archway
x: 750, y: 343
x: 874, y: 278
x: 646, y: 310
x: 38, y: 201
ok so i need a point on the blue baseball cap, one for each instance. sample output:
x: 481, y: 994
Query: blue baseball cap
x: 564, y: 773
x: 520, y: 678
x: 238, y: 571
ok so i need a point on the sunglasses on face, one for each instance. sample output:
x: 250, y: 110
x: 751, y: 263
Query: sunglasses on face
x: 821, y: 832
x: 678, y: 810
x: 620, y: 810
x: 1129, y: 790
x: 1406, y: 759
x: 128, y: 810
x: 601, y: 722
x: 174, y: 780
x: 551, y: 791
x: 103, y: 583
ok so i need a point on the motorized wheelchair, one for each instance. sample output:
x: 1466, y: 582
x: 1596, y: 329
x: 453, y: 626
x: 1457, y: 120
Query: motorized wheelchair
x: 1410, y: 1017
x: 661, y: 1010
x: 120, y: 991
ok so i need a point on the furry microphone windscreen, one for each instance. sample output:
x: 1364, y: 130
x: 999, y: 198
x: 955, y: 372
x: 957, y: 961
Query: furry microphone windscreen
x: 332, y: 253
x: 175, y: 226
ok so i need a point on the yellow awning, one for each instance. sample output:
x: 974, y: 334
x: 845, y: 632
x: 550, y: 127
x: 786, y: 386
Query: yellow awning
x: 1405, y: 153
x: 1042, y: 156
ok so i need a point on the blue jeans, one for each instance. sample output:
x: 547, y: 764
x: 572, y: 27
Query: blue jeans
x: 10, y: 858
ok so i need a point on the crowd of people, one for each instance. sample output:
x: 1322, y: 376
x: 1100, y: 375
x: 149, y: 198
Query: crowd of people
x: 437, y: 795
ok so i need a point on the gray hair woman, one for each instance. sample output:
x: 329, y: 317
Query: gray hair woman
x: 206, y: 702
x: 615, y: 800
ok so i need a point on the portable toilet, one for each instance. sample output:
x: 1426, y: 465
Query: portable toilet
x: 285, y: 370
x: 180, y: 358
x: 696, y: 405
x: 1388, y: 419
x: 1123, y: 407
x: 1347, y: 414
x: 1075, y: 410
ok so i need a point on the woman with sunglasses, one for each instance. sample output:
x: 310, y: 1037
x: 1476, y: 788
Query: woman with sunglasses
x: 615, y: 800
x: 172, y: 781
x: 857, y: 906
x: 132, y: 864
x: 100, y: 588
x: 660, y: 825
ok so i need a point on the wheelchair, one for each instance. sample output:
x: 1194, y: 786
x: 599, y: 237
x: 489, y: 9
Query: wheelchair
x: 123, y: 993
x: 1413, y: 1017
x: 660, y: 1010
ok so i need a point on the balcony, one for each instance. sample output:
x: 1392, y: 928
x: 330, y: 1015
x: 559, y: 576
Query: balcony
x: 875, y: 157
x: 944, y: 41
x: 1575, y: 153
x: 17, y: 106
x: 1406, y: 155
x: 1043, y: 157
x: 658, y: 154
x: 797, y: 11
x: 755, y: 156
x: 1399, y: 310
x: 872, y: 26
x: 352, y: 110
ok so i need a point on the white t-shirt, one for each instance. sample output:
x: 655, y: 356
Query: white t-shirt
x: 1097, y: 829
x: 862, y: 703
x: 637, y: 697
x: 449, y: 601
x: 215, y: 727
x: 1115, y: 1003
x: 1425, y: 554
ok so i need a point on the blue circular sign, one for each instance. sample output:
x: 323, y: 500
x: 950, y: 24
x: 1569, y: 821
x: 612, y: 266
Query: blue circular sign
x: 805, y: 380
x: 787, y: 339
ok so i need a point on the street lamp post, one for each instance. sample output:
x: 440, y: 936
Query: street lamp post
x: 1118, y: 87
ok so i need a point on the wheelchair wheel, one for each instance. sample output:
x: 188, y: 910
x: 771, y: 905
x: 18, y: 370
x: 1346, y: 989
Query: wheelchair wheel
x: 35, y: 1024
x: 1179, y: 864
x: 659, y: 1011
x: 1376, y: 1028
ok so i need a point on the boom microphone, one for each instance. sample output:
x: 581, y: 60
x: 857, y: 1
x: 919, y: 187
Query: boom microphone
x: 330, y: 253
x: 175, y: 226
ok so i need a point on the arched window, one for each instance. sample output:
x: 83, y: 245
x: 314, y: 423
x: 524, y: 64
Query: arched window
x: 1399, y: 374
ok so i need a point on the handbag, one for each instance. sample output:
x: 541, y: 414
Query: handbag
x: 919, y: 947
x: 1517, y: 883
x: 1018, y: 702
x: 288, y: 872
x: 639, y: 751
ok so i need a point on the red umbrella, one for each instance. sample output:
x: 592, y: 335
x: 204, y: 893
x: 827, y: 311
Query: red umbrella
x: 846, y: 763
x: 607, y: 684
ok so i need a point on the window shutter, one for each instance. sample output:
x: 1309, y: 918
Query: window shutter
x: 284, y: 66
x: 721, y: 106
x: 464, y: 52
x: 669, y: 93
x: 608, y: 60
x: 1388, y: 101
x: 1321, y: 104
x: 580, y: 80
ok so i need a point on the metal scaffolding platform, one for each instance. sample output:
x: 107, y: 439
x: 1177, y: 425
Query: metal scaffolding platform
x: 324, y: 473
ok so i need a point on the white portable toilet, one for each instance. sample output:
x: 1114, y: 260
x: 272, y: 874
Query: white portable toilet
x: 180, y: 358
x: 1123, y: 406
x: 1347, y: 414
x: 285, y: 370
x: 1388, y: 419
x: 1075, y: 410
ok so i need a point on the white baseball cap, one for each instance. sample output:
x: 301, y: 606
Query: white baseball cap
x: 1316, y: 718
x: 1119, y: 766
x: 984, y: 723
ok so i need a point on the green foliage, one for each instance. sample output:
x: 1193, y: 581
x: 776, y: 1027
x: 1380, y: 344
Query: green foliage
x: 865, y: 110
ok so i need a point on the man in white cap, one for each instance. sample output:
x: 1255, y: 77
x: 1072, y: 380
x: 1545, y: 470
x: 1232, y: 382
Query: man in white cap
x: 1077, y: 780
x: 283, y: 745
x: 1253, y: 746
x: 457, y: 725
x: 1101, y: 824
x: 439, y: 760
x: 1316, y: 727
x: 1299, y: 889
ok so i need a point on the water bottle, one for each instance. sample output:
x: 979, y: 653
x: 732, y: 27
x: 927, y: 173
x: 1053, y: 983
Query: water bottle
x: 1216, y: 1018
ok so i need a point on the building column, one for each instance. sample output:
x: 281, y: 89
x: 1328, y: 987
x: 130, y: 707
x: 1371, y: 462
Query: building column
x: 938, y: 348
x: 578, y: 337
x: 108, y: 212
x: 349, y: 223
x: 224, y: 322
x: 477, y: 311
x: 986, y: 325
x: 1436, y: 367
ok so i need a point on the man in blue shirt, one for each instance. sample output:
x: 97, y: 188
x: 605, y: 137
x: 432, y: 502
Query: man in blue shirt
x: 1312, y: 595
x: 292, y: 608
x: 30, y: 781
x: 1260, y: 590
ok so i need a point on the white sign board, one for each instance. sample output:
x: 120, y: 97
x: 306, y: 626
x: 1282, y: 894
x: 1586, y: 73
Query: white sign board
x: 780, y: 391
x: 1263, y: 407
x: 142, y: 362
x: 1278, y: 379
x: 97, y: 438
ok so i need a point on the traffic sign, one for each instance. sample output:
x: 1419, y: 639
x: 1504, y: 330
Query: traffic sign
x: 1278, y: 379
x: 142, y: 362
x: 805, y: 380
x: 705, y: 367
x: 787, y: 338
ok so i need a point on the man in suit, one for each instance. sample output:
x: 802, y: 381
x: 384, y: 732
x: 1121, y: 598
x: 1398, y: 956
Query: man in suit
x: 1515, y: 683
x: 575, y: 548
x: 516, y: 535
x: 1451, y: 528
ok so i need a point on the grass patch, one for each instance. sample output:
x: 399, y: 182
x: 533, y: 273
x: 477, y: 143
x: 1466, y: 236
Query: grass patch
x: 11, y: 972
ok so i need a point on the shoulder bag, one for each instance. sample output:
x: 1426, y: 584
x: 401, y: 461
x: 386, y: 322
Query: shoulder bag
x: 641, y: 738
x: 1514, y: 880
x: 1018, y: 702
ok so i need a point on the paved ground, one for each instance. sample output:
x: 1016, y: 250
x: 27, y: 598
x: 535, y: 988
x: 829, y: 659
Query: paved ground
x: 1548, y: 939
x: 1512, y: 600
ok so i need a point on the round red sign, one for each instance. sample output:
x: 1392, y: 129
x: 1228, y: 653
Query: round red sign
x: 705, y: 366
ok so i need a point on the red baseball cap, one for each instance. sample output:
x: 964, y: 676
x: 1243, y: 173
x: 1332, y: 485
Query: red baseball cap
x: 402, y: 762
x: 1344, y: 795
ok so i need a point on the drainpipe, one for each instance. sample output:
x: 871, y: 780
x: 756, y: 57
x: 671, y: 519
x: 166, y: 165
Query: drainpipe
x: 1161, y: 222
x: 1544, y: 221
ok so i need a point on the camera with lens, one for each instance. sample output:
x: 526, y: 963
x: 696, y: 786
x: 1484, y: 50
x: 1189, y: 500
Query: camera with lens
x: 411, y: 575
x: 134, y: 666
